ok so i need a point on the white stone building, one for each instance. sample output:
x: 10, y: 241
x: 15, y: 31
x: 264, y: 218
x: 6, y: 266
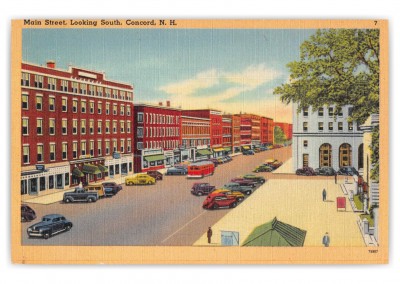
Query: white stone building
x: 321, y: 139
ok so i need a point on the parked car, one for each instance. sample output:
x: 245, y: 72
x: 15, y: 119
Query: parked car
x: 176, y: 171
x: 257, y: 150
x: 229, y: 158
x: 215, y: 161
x: 248, y: 152
x: 234, y: 186
x: 115, y: 188
x: 325, y: 171
x: 27, y: 213
x: 80, y: 195
x: 274, y: 163
x: 140, y: 179
x: 257, y: 179
x: 155, y: 174
x: 220, y: 160
x: 348, y: 171
x: 202, y: 188
x: 97, y: 187
x: 245, y: 182
x: 305, y: 171
x: 263, y: 168
x: 238, y: 195
x: 219, y: 200
x: 262, y: 148
x: 49, y: 226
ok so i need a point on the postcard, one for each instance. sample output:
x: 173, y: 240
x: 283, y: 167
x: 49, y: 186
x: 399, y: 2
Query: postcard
x: 172, y: 141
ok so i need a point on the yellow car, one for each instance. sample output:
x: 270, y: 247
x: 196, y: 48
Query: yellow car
x: 140, y: 179
x: 239, y: 196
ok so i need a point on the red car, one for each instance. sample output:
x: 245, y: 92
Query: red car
x: 155, y: 174
x: 219, y: 200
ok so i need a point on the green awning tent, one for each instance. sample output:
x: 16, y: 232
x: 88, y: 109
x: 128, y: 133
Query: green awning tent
x: 204, y: 152
x: 90, y: 169
x: 103, y: 169
x: 227, y: 149
x: 154, y: 158
x: 76, y: 172
x: 276, y: 234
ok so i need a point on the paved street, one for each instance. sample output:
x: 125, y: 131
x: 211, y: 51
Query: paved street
x: 162, y: 214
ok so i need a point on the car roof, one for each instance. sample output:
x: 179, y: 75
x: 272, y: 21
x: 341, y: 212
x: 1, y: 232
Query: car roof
x: 52, y: 216
x: 231, y: 183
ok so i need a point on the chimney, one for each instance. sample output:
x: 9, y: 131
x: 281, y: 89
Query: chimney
x: 160, y: 103
x: 51, y: 64
x: 168, y: 103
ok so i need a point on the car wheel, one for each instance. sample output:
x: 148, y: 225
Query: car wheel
x: 215, y: 206
x: 240, y: 199
x: 46, y: 236
x: 23, y: 219
x: 90, y: 200
x: 68, y: 200
x: 199, y: 193
x: 233, y: 205
x: 67, y: 228
x: 248, y: 192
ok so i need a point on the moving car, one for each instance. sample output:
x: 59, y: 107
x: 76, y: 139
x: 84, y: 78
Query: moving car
x: 263, y: 168
x: 219, y: 200
x: 244, y: 182
x: 325, y: 171
x: 238, y: 195
x: 305, y: 171
x: 348, y: 171
x: 49, y: 226
x: 27, y: 213
x: 80, y: 195
x: 234, y: 186
x: 202, y: 188
x: 257, y: 179
x: 155, y: 174
x: 115, y: 188
x: 176, y: 171
x: 140, y: 179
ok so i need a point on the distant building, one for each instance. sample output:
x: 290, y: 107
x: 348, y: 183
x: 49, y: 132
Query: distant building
x: 195, y: 138
x: 227, y: 134
x: 255, y: 133
x: 267, y: 130
x: 321, y: 139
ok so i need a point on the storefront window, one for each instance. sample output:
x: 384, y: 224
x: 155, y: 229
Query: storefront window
x: 145, y: 164
x: 24, y: 187
x: 32, y: 186
x: 51, y: 182
x: 124, y: 168
x: 111, y: 171
x: 59, y: 179
x: 117, y: 169
x: 42, y: 183
x: 130, y: 167
x: 75, y: 180
x: 152, y: 164
x: 66, y: 179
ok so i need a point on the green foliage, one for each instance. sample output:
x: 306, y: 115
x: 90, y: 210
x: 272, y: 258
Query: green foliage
x: 279, y: 136
x: 337, y: 67
x: 375, y: 154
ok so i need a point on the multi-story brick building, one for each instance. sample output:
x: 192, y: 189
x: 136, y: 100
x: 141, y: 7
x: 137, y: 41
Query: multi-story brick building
x: 227, y: 134
x: 267, y: 130
x: 157, y: 136
x: 245, y: 132
x: 236, y: 133
x: 255, y: 121
x: 215, y: 117
x: 195, y: 138
x: 76, y: 127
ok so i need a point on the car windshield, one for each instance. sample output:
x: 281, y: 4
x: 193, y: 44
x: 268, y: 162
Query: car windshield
x: 46, y: 219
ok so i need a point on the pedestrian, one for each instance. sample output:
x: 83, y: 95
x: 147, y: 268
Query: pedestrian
x: 335, y: 177
x: 324, y: 195
x: 326, y: 240
x: 209, y: 235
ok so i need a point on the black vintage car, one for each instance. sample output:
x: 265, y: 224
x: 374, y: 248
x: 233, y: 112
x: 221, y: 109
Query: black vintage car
x: 325, y: 171
x: 155, y: 174
x: 115, y: 188
x: 27, y: 213
x: 305, y: 171
x: 49, y: 226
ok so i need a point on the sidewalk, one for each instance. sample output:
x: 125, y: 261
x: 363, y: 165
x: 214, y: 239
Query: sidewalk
x: 297, y: 202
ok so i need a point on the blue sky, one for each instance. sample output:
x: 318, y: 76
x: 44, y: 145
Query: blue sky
x: 233, y: 70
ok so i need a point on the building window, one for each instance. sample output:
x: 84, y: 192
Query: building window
x: 320, y: 126
x: 107, y: 126
x: 139, y: 145
x: 108, y: 92
x: 25, y: 126
x: 91, y: 145
x: 38, y: 81
x: 128, y: 110
x: 107, y: 147
x: 350, y: 126
x: 64, y: 126
x: 82, y: 89
x: 99, y: 91
x: 115, y: 94
x: 114, y: 126
x: 115, y: 145
x: 25, y: 104
x: 340, y: 126
x: 92, y: 90
x: 40, y: 153
x: 320, y: 111
x: 122, y: 126
x: 122, y: 110
x: 64, y: 151
x: 64, y: 85
x: 140, y: 117
x: 52, y: 102
x: 305, y: 143
x: 330, y: 111
x: 83, y: 106
x: 25, y: 79
x: 64, y: 104
x: 122, y: 146
x: 75, y: 87
x: 129, y: 145
x: 74, y: 150
x: 122, y: 95
x: 330, y: 126
x: 305, y: 160
x: 52, y: 126
x: 99, y: 107
x: 83, y: 126
x: 91, y: 126
x: 26, y: 154
x: 75, y: 126
x: 52, y: 152
x: 340, y: 111
x: 107, y: 108
x: 83, y: 148
x: 39, y: 102
x: 99, y: 128
x: 51, y: 83
x: 91, y: 106
x: 128, y: 126
x: 305, y: 126
x: 39, y: 126
x: 74, y: 106
x: 99, y: 153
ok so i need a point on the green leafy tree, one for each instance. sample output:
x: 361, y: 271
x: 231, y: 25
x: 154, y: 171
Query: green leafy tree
x: 279, y: 135
x: 375, y: 154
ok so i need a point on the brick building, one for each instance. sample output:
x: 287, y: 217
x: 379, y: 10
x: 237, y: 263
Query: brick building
x: 245, y: 132
x: 267, y: 130
x: 157, y: 136
x: 286, y: 128
x: 227, y: 134
x: 236, y: 133
x: 195, y: 138
x: 76, y: 127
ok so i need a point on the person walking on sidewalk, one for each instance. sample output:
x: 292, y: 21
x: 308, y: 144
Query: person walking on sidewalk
x: 324, y: 195
x: 209, y: 235
x: 326, y: 240
x: 335, y: 177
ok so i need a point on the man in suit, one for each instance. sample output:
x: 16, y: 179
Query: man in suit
x: 326, y: 240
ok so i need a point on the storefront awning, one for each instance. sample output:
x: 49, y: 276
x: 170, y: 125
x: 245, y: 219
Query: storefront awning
x: 76, y: 172
x: 218, y: 149
x: 246, y: 147
x: 204, y: 152
x: 90, y: 169
x: 103, y: 169
x: 154, y: 158
x: 227, y: 149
